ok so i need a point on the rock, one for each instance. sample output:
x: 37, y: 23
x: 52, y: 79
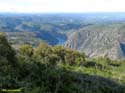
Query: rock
x: 100, y: 40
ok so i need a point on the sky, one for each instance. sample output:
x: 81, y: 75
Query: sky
x: 66, y: 6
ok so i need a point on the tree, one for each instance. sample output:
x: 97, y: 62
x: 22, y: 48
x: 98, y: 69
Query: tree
x: 26, y: 50
x: 43, y: 50
x: 5, y: 49
x: 8, y: 64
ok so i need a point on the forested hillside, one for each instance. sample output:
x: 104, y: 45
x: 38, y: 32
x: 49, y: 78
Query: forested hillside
x: 55, y: 69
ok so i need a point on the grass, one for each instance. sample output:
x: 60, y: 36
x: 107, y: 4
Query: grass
x: 114, y: 71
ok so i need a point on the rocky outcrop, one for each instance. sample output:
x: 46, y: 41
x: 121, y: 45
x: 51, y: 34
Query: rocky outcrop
x: 105, y: 40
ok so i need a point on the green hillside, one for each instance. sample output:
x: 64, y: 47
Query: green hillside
x: 55, y: 69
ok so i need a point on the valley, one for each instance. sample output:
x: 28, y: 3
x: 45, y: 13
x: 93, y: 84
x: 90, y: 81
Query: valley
x: 62, y: 53
x: 62, y: 46
x: 95, y: 34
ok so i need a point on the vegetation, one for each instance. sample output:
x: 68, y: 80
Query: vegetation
x: 55, y: 69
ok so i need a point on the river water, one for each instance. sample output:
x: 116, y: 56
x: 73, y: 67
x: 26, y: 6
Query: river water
x: 61, y: 41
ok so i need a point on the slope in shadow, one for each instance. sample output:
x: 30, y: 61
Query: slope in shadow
x: 122, y: 47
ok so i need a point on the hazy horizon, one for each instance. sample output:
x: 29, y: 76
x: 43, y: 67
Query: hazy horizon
x: 61, y: 6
